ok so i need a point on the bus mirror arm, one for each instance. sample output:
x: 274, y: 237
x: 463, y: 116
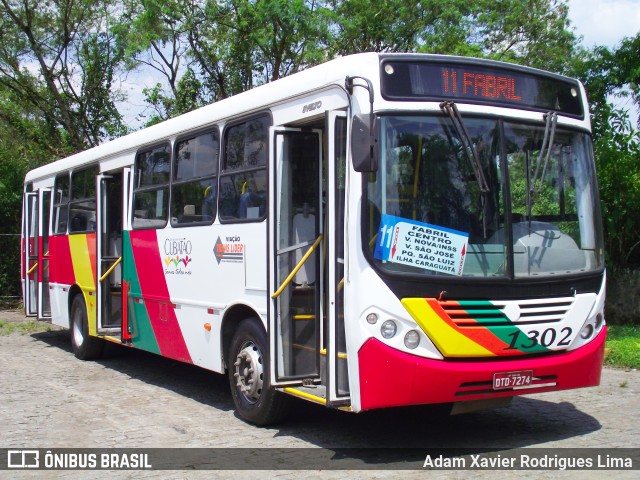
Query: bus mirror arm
x: 364, y: 139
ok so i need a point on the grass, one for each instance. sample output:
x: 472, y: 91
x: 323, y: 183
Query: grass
x: 623, y: 346
x: 23, y: 328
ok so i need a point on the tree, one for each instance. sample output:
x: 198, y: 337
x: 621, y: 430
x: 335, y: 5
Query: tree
x: 58, y: 63
x: 57, y: 56
x: 531, y: 32
x: 152, y: 34
x: 617, y: 150
x: 607, y: 73
x: 23, y: 145
x: 287, y: 36
x: 220, y: 48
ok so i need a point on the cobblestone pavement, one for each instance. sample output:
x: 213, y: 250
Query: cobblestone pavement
x: 49, y: 399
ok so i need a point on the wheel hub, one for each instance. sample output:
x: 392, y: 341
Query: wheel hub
x: 249, y: 372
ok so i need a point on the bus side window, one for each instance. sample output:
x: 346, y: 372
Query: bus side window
x: 243, y: 181
x: 82, y: 206
x: 151, y: 189
x: 61, y: 204
x: 194, y: 182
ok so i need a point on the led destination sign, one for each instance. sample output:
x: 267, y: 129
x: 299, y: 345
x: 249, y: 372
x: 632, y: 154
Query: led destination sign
x: 479, y: 84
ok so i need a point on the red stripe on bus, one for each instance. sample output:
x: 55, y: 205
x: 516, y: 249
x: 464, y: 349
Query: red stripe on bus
x: 390, y: 377
x: 146, y: 254
x: 91, y: 248
x: 60, y: 265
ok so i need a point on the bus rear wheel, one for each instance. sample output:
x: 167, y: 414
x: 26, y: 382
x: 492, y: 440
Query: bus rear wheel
x: 85, y: 347
x: 255, y: 400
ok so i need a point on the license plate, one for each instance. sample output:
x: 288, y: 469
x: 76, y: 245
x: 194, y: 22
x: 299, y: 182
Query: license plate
x: 505, y: 380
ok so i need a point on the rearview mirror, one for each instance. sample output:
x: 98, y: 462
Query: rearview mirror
x: 364, y: 144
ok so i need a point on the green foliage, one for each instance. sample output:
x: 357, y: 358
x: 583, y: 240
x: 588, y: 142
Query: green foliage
x: 57, y: 60
x: 609, y: 72
x: 534, y: 33
x: 226, y: 47
x: 623, y: 296
x: 617, y: 148
x: 623, y: 346
x: 606, y: 73
x: 188, y: 97
x: 23, y: 145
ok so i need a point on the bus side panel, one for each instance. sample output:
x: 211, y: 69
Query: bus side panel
x: 390, y: 378
x: 61, y: 271
x: 83, y: 259
x: 59, y: 255
x: 139, y: 324
x: 153, y: 318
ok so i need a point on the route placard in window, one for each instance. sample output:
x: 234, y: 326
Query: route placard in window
x: 422, y: 245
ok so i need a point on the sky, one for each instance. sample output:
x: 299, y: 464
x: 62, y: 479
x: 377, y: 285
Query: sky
x: 604, y: 22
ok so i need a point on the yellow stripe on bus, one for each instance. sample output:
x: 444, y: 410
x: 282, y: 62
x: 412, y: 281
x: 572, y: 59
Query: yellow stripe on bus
x: 81, y: 261
x: 450, y: 342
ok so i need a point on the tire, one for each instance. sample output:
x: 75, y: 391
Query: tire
x: 85, y: 347
x: 255, y: 400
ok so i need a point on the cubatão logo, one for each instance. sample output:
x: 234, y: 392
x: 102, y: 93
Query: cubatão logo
x: 177, y: 259
x: 232, y: 251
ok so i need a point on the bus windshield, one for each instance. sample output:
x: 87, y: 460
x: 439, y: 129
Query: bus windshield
x: 534, y: 213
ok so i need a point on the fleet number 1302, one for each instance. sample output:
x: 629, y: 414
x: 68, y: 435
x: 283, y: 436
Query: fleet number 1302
x: 546, y: 338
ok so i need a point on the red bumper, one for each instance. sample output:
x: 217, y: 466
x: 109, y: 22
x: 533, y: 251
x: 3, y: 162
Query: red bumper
x: 389, y: 377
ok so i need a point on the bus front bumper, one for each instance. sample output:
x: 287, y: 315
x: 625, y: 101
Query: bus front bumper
x: 389, y: 377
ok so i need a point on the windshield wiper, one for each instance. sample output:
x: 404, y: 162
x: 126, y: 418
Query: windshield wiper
x: 469, y: 148
x: 545, y: 151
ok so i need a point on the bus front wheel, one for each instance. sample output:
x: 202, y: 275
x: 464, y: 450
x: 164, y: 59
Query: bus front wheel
x: 85, y: 347
x: 255, y: 400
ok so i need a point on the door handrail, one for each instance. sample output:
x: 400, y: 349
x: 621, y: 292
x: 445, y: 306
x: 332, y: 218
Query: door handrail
x: 306, y: 256
x: 32, y: 268
x: 106, y: 274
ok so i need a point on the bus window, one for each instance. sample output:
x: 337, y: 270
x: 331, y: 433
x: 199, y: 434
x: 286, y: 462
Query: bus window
x: 194, y: 184
x: 151, y: 189
x: 82, y: 207
x: 243, y: 182
x: 60, y: 204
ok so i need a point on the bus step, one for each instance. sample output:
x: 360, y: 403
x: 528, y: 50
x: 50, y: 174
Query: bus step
x: 315, y: 393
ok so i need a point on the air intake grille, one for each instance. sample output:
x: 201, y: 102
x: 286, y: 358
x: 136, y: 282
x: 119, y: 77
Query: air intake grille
x: 466, y: 313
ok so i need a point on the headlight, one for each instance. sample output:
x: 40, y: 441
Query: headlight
x: 411, y: 339
x: 388, y: 329
x: 587, y: 331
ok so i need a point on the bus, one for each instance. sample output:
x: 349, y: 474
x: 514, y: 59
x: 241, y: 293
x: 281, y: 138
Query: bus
x: 381, y: 230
